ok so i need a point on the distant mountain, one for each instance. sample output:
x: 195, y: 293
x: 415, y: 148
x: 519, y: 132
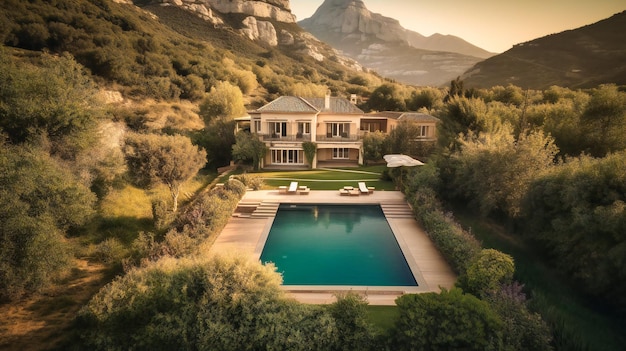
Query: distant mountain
x: 382, y: 44
x: 584, y: 57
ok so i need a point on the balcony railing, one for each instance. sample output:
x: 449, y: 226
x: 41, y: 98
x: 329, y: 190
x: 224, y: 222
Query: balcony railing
x: 307, y: 137
x: 342, y: 138
x: 278, y: 137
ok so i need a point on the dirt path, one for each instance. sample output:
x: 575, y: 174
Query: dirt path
x: 41, y: 322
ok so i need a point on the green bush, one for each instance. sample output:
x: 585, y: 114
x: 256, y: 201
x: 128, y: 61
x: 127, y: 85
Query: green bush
x: 161, y: 214
x: 488, y: 273
x: 355, y: 332
x: 449, y: 320
x: 236, y: 187
x: 216, y: 303
x: 251, y: 181
x: 109, y: 251
x: 459, y: 247
x: 522, y: 329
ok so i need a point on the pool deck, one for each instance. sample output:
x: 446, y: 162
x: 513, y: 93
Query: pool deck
x: 246, y: 234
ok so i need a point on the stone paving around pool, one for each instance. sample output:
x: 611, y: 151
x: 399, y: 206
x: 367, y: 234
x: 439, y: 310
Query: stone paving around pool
x: 247, y: 230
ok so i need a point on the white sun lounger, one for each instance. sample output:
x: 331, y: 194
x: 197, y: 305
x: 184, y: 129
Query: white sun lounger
x: 363, y: 188
x: 293, y: 188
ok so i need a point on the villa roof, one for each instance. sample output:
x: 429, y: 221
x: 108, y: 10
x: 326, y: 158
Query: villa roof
x: 337, y: 105
x: 405, y: 116
x: 293, y: 104
x: 288, y: 104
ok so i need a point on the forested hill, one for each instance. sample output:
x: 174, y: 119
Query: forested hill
x: 580, y: 58
x: 175, y: 53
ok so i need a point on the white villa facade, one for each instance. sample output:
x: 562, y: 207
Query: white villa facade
x: 334, y: 124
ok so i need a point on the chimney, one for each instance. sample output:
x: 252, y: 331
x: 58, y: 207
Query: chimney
x: 353, y: 99
x: 327, y: 100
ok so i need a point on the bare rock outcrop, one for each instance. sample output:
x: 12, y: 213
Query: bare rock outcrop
x: 277, y: 10
x: 260, y: 30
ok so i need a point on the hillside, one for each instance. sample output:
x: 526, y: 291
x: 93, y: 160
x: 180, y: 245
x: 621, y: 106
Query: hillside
x: 579, y: 58
x: 382, y: 44
x: 174, y: 52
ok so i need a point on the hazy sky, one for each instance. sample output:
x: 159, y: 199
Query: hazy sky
x: 494, y: 25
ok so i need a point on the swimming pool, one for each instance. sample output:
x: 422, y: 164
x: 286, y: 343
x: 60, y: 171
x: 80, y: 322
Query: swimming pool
x: 347, y: 245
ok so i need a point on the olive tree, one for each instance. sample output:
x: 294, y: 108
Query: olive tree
x: 170, y: 160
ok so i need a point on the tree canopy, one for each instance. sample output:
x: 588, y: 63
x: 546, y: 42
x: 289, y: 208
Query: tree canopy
x: 170, y: 160
x: 39, y: 202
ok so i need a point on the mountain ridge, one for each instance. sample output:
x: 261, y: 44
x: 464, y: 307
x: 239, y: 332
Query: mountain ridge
x: 382, y: 44
x: 578, y: 58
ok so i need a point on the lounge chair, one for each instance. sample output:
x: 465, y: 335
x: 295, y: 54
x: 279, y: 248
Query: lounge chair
x: 363, y: 188
x: 293, y: 188
x: 282, y: 189
x: 344, y: 192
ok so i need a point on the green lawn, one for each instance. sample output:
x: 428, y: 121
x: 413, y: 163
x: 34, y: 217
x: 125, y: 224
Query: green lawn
x: 328, y: 179
x: 383, y: 317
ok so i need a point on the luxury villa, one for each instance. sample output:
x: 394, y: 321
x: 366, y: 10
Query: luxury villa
x: 336, y: 125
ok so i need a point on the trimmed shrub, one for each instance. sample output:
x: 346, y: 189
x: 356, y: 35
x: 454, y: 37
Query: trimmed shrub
x: 459, y: 247
x: 488, y: 272
x: 449, y: 320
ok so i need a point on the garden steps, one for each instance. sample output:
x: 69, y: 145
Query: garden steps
x: 265, y: 209
x: 397, y: 210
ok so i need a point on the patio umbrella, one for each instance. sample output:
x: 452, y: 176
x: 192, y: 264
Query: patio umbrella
x: 399, y: 160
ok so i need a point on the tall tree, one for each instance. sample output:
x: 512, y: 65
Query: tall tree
x: 249, y: 147
x: 386, y: 98
x: 224, y: 100
x: 53, y: 103
x: 494, y: 171
x: 170, y: 160
x: 604, y: 121
x: 39, y: 202
x: 374, y: 146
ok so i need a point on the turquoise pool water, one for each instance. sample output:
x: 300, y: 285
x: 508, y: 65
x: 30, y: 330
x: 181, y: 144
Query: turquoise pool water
x: 335, y: 245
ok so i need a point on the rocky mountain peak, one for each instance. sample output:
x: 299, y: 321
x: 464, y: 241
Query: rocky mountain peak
x: 350, y: 19
x: 381, y: 43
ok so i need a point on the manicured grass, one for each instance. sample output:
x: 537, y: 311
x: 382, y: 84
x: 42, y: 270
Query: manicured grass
x: 579, y: 323
x: 383, y: 317
x: 328, y: 179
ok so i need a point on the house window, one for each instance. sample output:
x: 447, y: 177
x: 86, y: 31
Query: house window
x: 304, y: 128
x: 288, y: 156
x: 370, y: 126
x: 423, y: 131
x: 278, y: 129
x: 337, y: 130
x: 257, y: 126
x: 341, y: 153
